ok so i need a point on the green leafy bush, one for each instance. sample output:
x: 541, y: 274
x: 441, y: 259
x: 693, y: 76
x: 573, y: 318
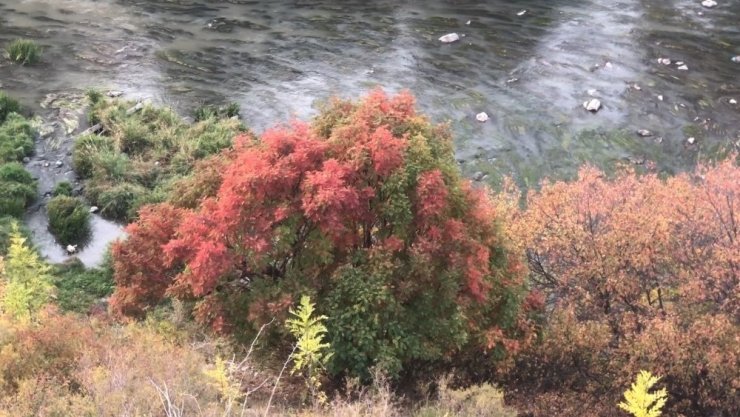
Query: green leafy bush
x: 16, y: 138
x: 24, y: 51
x: 62, y: 188
x: 69, y: 219
x: 8, y: 105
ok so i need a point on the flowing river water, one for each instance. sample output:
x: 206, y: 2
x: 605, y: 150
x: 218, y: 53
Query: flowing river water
x: 528, y: 64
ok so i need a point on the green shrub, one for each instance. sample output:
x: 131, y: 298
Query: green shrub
x: 69, y: 219
x: 63, y: 188
x: 8, y: 105
x: 14, y: 172
x: 117, y: 201
x: 86, y: 149
x: 16, y: 138
x: 15, y: 197
x: 24, y: 51
x: 78, y: 288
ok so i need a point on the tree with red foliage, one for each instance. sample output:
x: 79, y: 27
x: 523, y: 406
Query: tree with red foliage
x: 369, y: 194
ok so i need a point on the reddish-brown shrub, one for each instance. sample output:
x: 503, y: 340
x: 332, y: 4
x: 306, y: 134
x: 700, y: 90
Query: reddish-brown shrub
x: 637, y: 273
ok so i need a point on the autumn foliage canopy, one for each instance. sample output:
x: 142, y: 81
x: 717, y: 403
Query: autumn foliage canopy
x: 638, y: 273
x: 366, y: 211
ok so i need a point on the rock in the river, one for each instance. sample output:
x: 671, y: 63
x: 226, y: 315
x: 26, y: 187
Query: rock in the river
x: 45, y: 131
x: 683, y: 68
x: 732, y: 101
x: 94, y: 209
x: 482, y: 117
x: 735, y: 59
x: 71, y: 249
x: 479, y: 176
x: 46, y: 165
x: 660, y: 97
x: 691, y: 140
x: 114, y: 93
x: 592, y: 105
x: 26, y: 159
x: 59, y: 164
x: 636, y: 87
x: 468, y: 22
x: 592, y: 92
x: 134, y: 109
x: 644, y: 133
x: 709, y: 3
x: 449, y: 38
x: 664, y: 61
x: 522, y: 13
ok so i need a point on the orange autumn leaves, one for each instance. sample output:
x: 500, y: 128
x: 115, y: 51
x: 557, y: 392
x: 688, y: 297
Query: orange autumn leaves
x: 639, y: 272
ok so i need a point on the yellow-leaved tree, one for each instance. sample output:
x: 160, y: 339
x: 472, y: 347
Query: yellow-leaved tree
x: 311, y: 352
x: 639, y: 401
x: 27, y: 280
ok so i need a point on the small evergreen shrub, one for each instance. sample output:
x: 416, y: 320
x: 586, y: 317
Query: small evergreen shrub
x: 24, y: 51
x: 16, y: 138
x: 69, y: 219
x: 8, y: 105
x: 63, y: 188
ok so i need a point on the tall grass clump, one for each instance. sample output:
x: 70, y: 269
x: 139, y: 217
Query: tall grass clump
x: 24, y: 51
x: 69, y: 219
x: 17, y: 189
x: 16, y: 138
x: 139, y: 154
x: 8, y: 105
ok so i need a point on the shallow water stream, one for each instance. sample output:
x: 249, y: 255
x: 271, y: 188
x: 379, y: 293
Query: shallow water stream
x: 530, y: 72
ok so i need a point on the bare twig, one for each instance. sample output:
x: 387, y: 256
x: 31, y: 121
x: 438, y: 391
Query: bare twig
x: 277, y: 381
